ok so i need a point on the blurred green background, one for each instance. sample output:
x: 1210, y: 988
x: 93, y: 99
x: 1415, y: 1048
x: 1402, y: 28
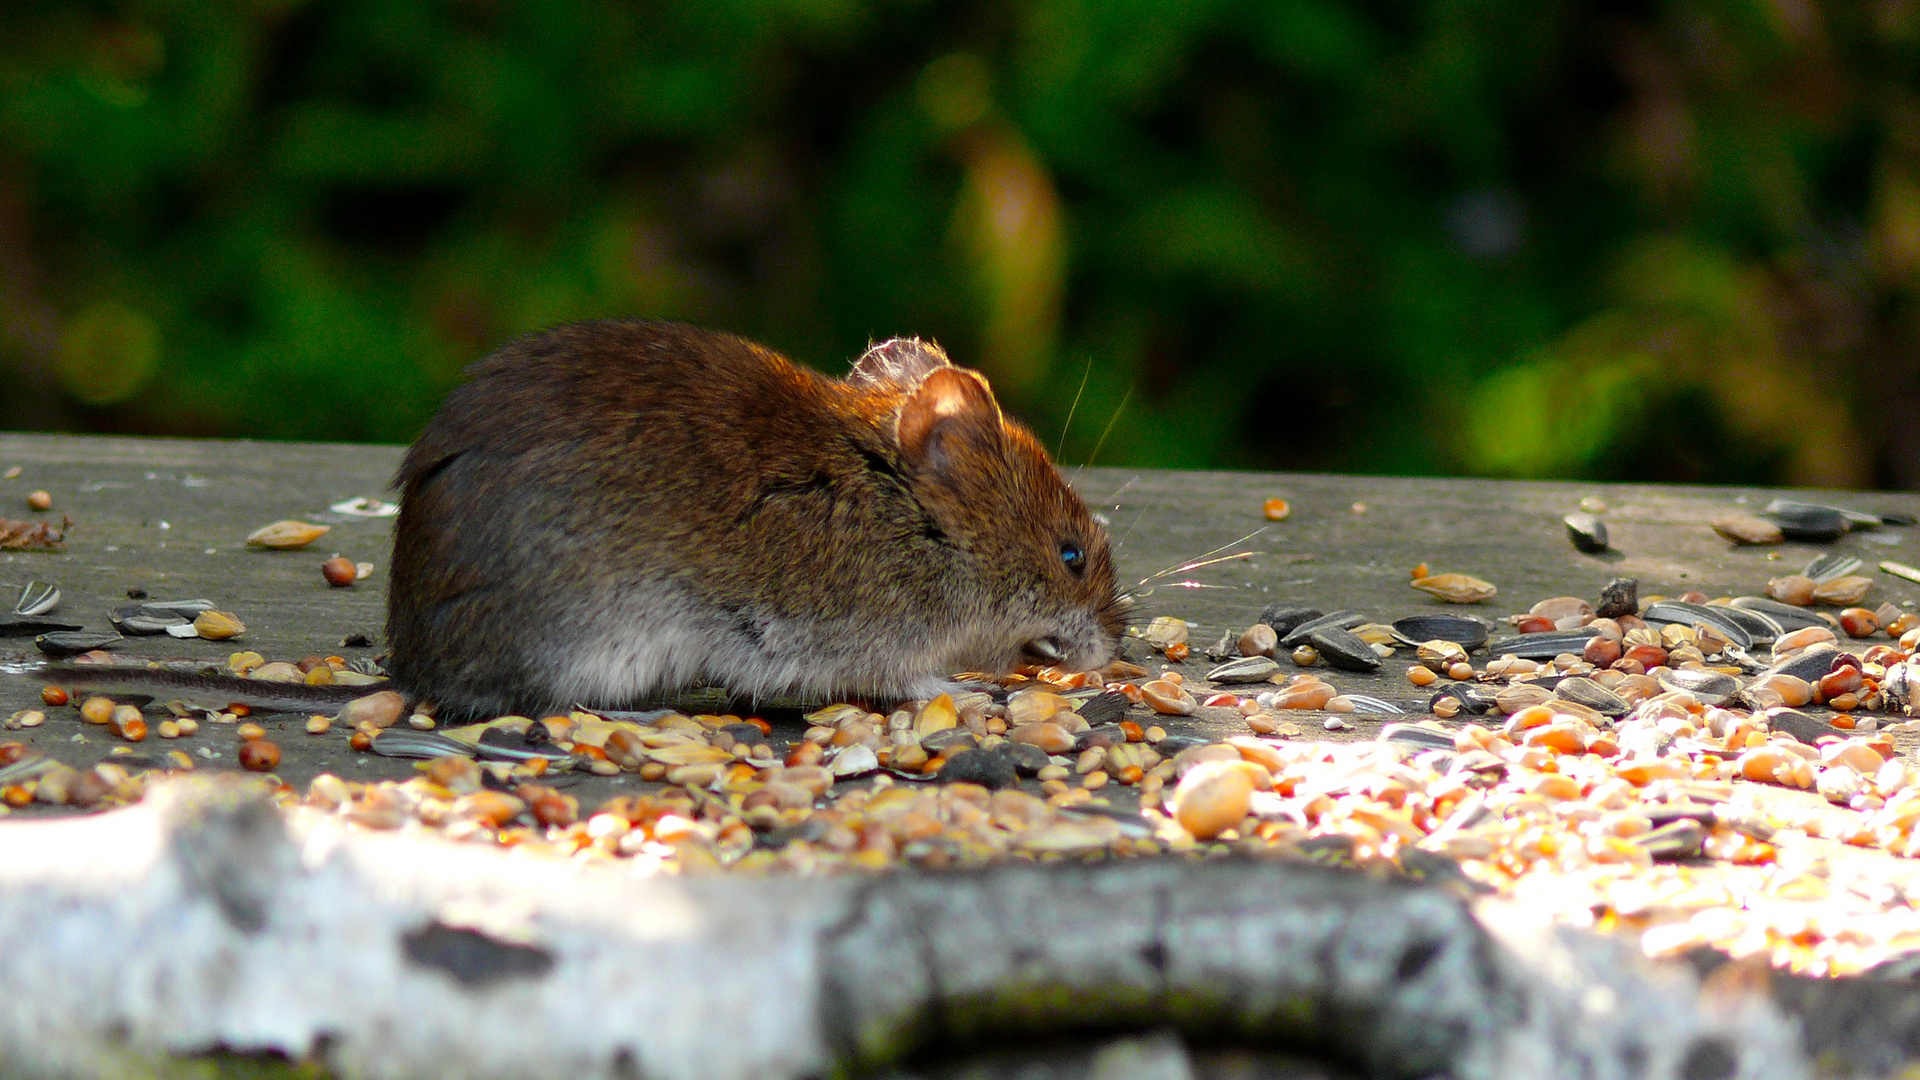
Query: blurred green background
x: 1658, y: 240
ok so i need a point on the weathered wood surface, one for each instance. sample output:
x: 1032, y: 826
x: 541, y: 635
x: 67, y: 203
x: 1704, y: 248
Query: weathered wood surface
x: 201, y: 918
x: 170, y: 516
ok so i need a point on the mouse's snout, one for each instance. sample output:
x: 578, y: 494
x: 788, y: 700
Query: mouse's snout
x: 1045, y: 650
x: 1076, y: 641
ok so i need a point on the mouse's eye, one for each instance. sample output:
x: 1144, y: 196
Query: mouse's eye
x: 1074, y: 556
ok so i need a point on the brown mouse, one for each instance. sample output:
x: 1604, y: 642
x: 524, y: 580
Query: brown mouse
x: 610, y: 512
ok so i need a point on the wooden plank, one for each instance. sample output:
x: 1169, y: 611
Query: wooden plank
x: 170, y: 516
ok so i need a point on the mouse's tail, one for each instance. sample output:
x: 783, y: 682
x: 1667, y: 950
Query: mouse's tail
x: 198, y: 688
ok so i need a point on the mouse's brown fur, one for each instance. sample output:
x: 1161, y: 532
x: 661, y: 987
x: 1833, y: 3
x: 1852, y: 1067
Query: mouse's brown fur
x: 616, y: 510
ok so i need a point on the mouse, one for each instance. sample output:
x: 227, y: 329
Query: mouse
x: 608, y: 513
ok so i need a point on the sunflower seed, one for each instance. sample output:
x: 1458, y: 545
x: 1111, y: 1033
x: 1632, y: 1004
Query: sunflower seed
x: 1675, y: 840
x: 1711, y: 687
x: 29, y: 625
x: 1543, y: 646
x: 1788, y: 617
x: 1467, y: 632
x: 1831, y: 565
x: 37, y: 598
x: 501, y: 744
x: 1474, y: 702
x: 1247, y: 669
x: 1286, y: 618
x: 1337, y: 620
x: 1588, y: 533
x: 1900, y: 570
x: 401, y: 742
x: 1593, y: 696
x: 1417, y: 735
x: 1369, y: 705
x: 75, y: 642
x: 1103, y: 707
x: 1343, y: 650
x: 1685, y: 614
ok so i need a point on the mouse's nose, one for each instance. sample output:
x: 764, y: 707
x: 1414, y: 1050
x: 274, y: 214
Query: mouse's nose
x: 1046, y: 650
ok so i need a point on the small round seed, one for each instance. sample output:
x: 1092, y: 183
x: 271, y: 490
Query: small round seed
x: 259, y: 755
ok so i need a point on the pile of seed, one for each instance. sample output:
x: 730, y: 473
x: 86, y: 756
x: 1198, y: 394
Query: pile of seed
x: 1611, y: 764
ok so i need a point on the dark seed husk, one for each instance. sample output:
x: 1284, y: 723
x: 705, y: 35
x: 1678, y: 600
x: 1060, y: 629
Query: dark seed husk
x: 1472, y: 701
x: 1668, y: 813
x: 1802, y: 727
x: 1467, y: 632
x: 1854, y: 519
x: 1675, y: 840
x: 1130, y: 821
x: 1685, y: 614
x: 400, y: 742
x: 1343, y: 650
x: 140, y: 620
x: 37, y: 598
x: 29, y: 625
x: 1543, y: 646
x: 1711, y: 687
x: 1759, y: 626
x: 1105, y: 706
x: 1807, y: 521
x: 500, y: 744
x: 1284, y: 618
x: 1027, y: 758
x: 1226, y: 648
x: 742, y: 732
x: 1333, y: 620
x: 1743, y: 823
x: 1588, y: 533
x: 1419, y: 736
x: 1104, y: 736
x: 1808, y: 664
x: 1620, y: 597
x: 983, y: 767
x: 1593, y: 696
x: 948, y: 738
x: 75, y: 642
x: 1173, y: 744
x: 1788, y: 617
x: 1478, y: 761
x: 1831, y: 565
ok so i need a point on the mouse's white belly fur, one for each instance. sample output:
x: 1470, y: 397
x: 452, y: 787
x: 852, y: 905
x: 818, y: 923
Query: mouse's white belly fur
x: 658, y: 640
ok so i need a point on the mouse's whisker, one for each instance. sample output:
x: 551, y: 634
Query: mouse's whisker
x: 1109, y: 429
x: 1197, y: 564
x: 1130, y: 528
x: 1073, y: 408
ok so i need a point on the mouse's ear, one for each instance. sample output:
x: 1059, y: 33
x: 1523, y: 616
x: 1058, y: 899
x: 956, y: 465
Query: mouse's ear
x: 902, y: 362
x: 953, y: 408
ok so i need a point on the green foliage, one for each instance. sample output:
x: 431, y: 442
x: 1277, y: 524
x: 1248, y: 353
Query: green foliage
x: 1515, y: 237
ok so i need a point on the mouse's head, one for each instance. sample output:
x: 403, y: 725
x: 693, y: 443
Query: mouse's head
x: 1040, y: 576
